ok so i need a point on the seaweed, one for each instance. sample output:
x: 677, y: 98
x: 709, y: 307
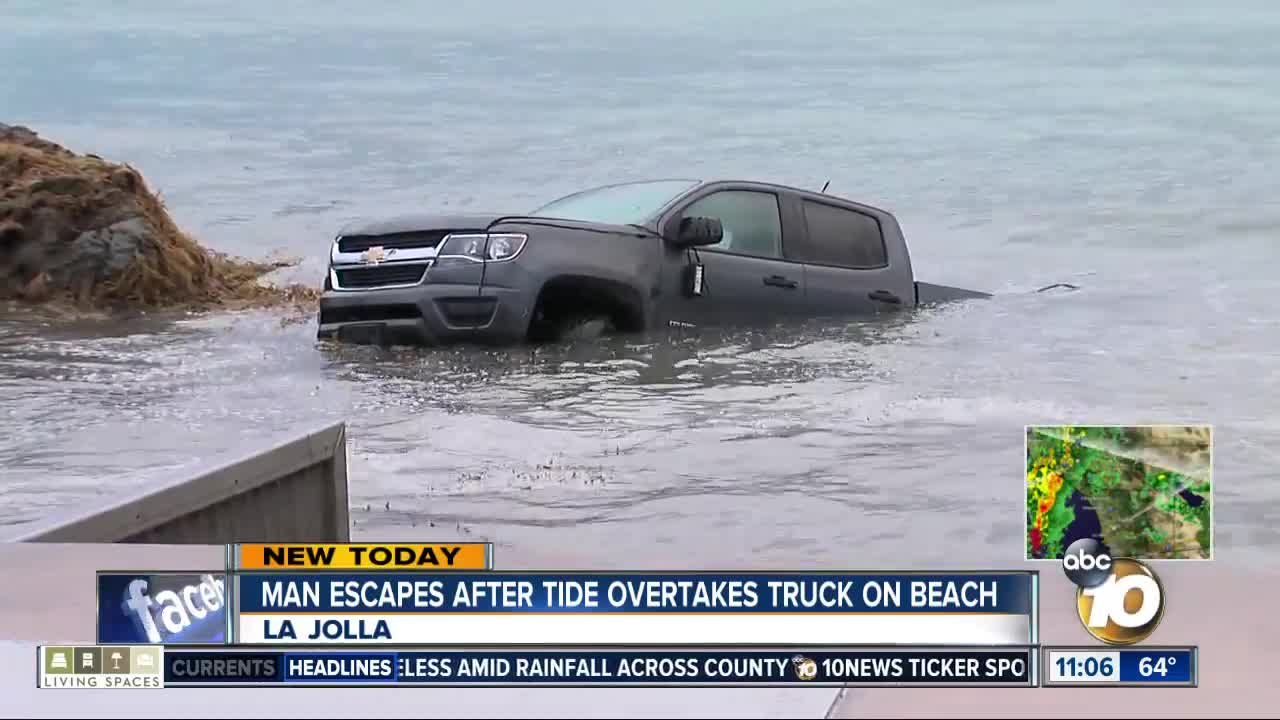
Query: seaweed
x: 49, y: 196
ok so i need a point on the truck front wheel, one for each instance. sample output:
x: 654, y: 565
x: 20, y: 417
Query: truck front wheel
x: 589, y: 326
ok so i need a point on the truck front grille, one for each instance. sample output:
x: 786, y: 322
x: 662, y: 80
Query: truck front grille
x: 415, y: 239
x: 381, y: 275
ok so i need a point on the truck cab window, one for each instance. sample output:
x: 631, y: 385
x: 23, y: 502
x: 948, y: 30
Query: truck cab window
x: 750, y: 219
x: 841, y: 237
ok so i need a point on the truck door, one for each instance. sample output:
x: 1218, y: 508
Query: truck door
x: 847, y: 266
x: 745, y: 277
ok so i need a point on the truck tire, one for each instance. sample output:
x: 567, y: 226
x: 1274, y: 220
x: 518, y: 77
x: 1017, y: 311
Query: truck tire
x: 584, y: 327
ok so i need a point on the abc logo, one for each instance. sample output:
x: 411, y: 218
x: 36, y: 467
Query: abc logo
x: 1120, y: 601
x: 806, y: 668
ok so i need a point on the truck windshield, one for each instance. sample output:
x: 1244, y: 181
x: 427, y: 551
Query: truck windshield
x: 624, y: 204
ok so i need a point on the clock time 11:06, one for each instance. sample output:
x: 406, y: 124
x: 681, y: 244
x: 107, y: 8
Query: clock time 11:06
x: 1088, y: 666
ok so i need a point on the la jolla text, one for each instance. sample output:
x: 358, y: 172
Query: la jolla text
x: 310, y: 609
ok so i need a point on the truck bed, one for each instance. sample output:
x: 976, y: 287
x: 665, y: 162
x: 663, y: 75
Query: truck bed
x: 929, y: 293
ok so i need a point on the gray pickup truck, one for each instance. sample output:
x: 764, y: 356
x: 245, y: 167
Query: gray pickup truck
x: 629, y: 257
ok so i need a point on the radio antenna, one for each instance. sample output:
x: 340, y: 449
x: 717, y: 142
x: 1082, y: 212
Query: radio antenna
x: 825, y: 185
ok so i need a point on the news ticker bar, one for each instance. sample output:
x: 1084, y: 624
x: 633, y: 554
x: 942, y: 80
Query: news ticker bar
x: 155, y: 666
x: 152, y: 666
x: 506, y: 608
x: 1121, y: 667
x: 102, y: 667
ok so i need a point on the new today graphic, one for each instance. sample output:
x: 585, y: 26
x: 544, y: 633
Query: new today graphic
x: 1120, y: 601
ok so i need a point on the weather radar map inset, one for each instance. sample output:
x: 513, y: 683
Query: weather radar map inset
x: 1144, y: 492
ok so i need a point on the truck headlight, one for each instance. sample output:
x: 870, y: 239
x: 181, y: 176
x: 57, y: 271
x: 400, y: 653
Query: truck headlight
x: 505, y: 245
x: 479, y: 247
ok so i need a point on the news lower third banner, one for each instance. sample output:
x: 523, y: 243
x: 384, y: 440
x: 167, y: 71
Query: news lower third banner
x: 514, y: 608
x: 117, y: 667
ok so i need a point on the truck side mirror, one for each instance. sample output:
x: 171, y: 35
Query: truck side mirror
x: 698, y: 232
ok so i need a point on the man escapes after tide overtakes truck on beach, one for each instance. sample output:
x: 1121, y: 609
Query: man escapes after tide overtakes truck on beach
x: 477, y: 594
x: 372, y: 594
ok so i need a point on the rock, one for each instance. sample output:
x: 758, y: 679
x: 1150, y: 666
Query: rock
x: 84, y: 229
x: 101, y: 254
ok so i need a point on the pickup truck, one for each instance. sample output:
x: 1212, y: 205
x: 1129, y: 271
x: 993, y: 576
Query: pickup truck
x: 630, y: 257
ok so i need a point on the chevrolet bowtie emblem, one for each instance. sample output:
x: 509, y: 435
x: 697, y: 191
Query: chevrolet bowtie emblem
x: 373, y: 255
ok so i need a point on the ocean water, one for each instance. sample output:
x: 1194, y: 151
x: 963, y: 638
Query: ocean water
x: 1127, y: 149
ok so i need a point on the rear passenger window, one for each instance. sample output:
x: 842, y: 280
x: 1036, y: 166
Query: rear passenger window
x: 843, y: 237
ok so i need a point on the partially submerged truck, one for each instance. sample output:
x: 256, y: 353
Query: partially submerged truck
x: 629, y: 257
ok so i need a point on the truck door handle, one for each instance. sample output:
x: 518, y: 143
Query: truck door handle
x: 780, y: 281
x: 884, y: 296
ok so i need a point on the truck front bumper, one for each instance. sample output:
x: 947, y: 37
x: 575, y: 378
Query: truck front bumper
x: 446, y: 308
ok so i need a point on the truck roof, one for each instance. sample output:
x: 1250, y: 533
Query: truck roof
x: 815, y: 194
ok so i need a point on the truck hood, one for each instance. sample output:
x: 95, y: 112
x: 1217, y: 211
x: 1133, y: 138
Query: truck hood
x: 422, y: 221
x: 471, y: 221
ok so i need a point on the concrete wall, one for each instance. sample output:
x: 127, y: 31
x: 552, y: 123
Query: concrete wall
x: 293, y: 490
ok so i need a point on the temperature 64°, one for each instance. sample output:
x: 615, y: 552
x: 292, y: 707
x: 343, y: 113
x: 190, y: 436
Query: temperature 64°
x: 1149, y: 666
